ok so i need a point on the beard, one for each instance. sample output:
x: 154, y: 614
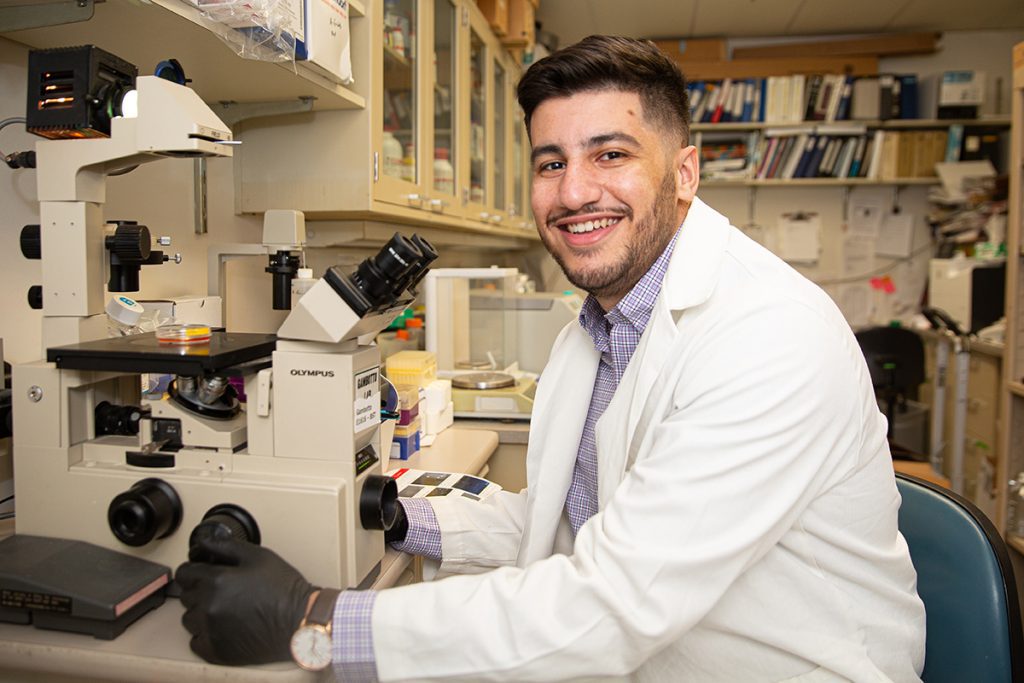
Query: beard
x: 613, y: 275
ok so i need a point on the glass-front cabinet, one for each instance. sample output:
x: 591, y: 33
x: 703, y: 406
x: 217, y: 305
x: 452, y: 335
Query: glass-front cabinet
x: 447, y: 123
x: 440, y: 141
x: 400, y: 110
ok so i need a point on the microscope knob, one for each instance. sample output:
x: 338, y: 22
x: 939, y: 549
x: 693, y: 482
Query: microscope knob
x: 378, y: 502
x: 130, y: 241
x: 31, y: 242
x: 228, y: 520
x: 150, y: 509
x: 35, y: 297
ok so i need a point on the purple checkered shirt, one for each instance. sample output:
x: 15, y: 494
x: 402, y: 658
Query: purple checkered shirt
x: 616, y: 335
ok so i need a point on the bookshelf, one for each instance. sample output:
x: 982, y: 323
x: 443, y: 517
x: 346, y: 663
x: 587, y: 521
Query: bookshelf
x: 841, y: 153
x: 1010, y: 472
x: 844, y: 127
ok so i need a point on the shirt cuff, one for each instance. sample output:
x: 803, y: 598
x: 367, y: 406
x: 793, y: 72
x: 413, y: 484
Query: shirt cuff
x: 424, y: 535
x: 352, y: 637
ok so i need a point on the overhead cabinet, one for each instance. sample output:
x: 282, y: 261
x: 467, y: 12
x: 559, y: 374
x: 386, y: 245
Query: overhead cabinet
x: 439, y: 143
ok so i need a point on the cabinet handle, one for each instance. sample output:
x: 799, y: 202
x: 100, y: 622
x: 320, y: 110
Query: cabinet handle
x: 415, y: 199
x: 438, y: 205
x: 495, y: 217
x: 484, y: 216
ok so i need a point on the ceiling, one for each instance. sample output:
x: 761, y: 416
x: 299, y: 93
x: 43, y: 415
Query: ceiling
x: 572, y: 20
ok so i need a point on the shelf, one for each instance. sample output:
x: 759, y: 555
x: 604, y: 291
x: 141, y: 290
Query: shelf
x: 1016, y: 388
x: 395, y: 59
x: 146, y: 34
x: 816, y: 182
x: 894, y: 124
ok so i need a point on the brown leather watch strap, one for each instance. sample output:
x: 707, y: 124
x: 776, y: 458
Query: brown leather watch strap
x: 322, y: 611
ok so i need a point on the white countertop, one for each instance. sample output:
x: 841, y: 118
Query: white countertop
x: 155, y: 648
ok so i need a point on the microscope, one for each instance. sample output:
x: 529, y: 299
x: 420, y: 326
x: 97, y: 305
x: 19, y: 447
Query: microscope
x: 296, y: 466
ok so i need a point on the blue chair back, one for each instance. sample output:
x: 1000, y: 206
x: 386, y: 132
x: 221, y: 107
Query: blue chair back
x: 966, y: 581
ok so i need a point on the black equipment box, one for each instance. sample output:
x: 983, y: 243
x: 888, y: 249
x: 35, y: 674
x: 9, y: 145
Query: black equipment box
x: 65, y: 585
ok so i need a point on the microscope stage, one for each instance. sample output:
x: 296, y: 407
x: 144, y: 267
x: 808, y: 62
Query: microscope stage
x: 143, y: 353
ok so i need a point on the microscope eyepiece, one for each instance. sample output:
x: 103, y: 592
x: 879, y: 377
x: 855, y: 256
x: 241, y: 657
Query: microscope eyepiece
x: 381, y: 277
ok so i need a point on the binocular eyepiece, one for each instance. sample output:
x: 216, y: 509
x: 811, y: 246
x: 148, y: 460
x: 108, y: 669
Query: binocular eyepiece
x: 380, y: 281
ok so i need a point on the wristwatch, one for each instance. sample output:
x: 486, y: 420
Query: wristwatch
x: 311, y: 642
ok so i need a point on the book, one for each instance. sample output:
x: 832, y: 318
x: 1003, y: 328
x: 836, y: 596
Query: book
x: 794, y: 156
x: 865, y: 99
x: 908, y: 96
x: 858, y: 157
x: 954, y: 142
x: 846, y: 94
x: 886, y: 83
x: 808, y: 154
x: 875, y: 167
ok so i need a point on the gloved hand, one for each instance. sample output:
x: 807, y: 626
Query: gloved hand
x: 242, y: 601
x: 398, y: 530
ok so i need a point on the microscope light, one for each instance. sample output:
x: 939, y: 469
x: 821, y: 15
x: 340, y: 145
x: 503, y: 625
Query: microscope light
x: 130, y: 104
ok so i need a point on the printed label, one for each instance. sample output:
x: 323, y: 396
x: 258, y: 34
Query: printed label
x: 367, y: 399
x: 42, y: 602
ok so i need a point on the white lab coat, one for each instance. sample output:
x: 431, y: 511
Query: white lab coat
x: 747, y: 519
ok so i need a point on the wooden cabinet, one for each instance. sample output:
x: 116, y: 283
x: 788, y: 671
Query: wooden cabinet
x: 1011, y: 471
x: 441, y: 96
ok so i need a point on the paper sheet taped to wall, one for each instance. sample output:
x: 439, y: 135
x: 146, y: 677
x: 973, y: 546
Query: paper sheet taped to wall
x: 799, y: 237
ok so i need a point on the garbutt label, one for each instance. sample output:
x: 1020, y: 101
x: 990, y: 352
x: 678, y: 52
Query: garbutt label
x: 367, y: 399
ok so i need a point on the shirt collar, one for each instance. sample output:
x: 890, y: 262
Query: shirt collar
x: 634, y: 309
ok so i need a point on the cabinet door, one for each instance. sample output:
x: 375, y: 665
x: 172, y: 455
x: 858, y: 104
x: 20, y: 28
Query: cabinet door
x: 519, y: 208
x: 476, y: 189
x: 499, y: 199
x: 398, y: 130
x: 446, y: 121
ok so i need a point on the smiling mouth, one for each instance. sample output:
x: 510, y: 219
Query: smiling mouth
x: 589, y: 226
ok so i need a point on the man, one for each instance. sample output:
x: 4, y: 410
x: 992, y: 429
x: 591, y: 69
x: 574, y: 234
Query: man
x: 710, y: 493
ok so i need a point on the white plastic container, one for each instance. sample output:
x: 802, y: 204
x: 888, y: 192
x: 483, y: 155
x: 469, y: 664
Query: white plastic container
x: 123, y: 315
x: 392, y: 153
x: 444, y: 174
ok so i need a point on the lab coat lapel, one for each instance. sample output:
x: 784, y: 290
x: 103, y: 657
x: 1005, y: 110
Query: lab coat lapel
x: 638, y: 388
x: 560, y: 411
x: 689, y: 281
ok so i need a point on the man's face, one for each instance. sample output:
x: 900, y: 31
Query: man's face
x: 609, y: 188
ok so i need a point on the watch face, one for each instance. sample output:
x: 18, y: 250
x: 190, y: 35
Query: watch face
x: 311, y: 647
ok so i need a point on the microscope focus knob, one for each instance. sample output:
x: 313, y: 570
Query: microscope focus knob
x: 130, y: 242
x: 227, y: 520
x: 35, y: 297
x: 150, y: 509
x: 378, y: 502
x: 31, y: 242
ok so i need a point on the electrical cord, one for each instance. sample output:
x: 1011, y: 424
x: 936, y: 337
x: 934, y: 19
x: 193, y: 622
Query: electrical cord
x: 878, y: 271
x: 17, y: 159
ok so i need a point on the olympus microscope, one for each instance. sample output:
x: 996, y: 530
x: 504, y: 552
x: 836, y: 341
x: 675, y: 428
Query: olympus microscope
x: 297, y: 467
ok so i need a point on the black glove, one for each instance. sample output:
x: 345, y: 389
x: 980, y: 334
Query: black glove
x: 400, y: 527
x: 242, y: 601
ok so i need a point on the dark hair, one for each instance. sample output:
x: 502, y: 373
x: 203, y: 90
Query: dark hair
x: 611, y: 63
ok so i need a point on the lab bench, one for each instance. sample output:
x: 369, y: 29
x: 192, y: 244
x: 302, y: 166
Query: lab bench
x: 155, y: 648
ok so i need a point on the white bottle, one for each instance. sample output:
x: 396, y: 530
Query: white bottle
x: 302, y: 283
x: 392, y: 153
x: 409, y: 163
x: 444, y: 174
x: 123, y: 315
